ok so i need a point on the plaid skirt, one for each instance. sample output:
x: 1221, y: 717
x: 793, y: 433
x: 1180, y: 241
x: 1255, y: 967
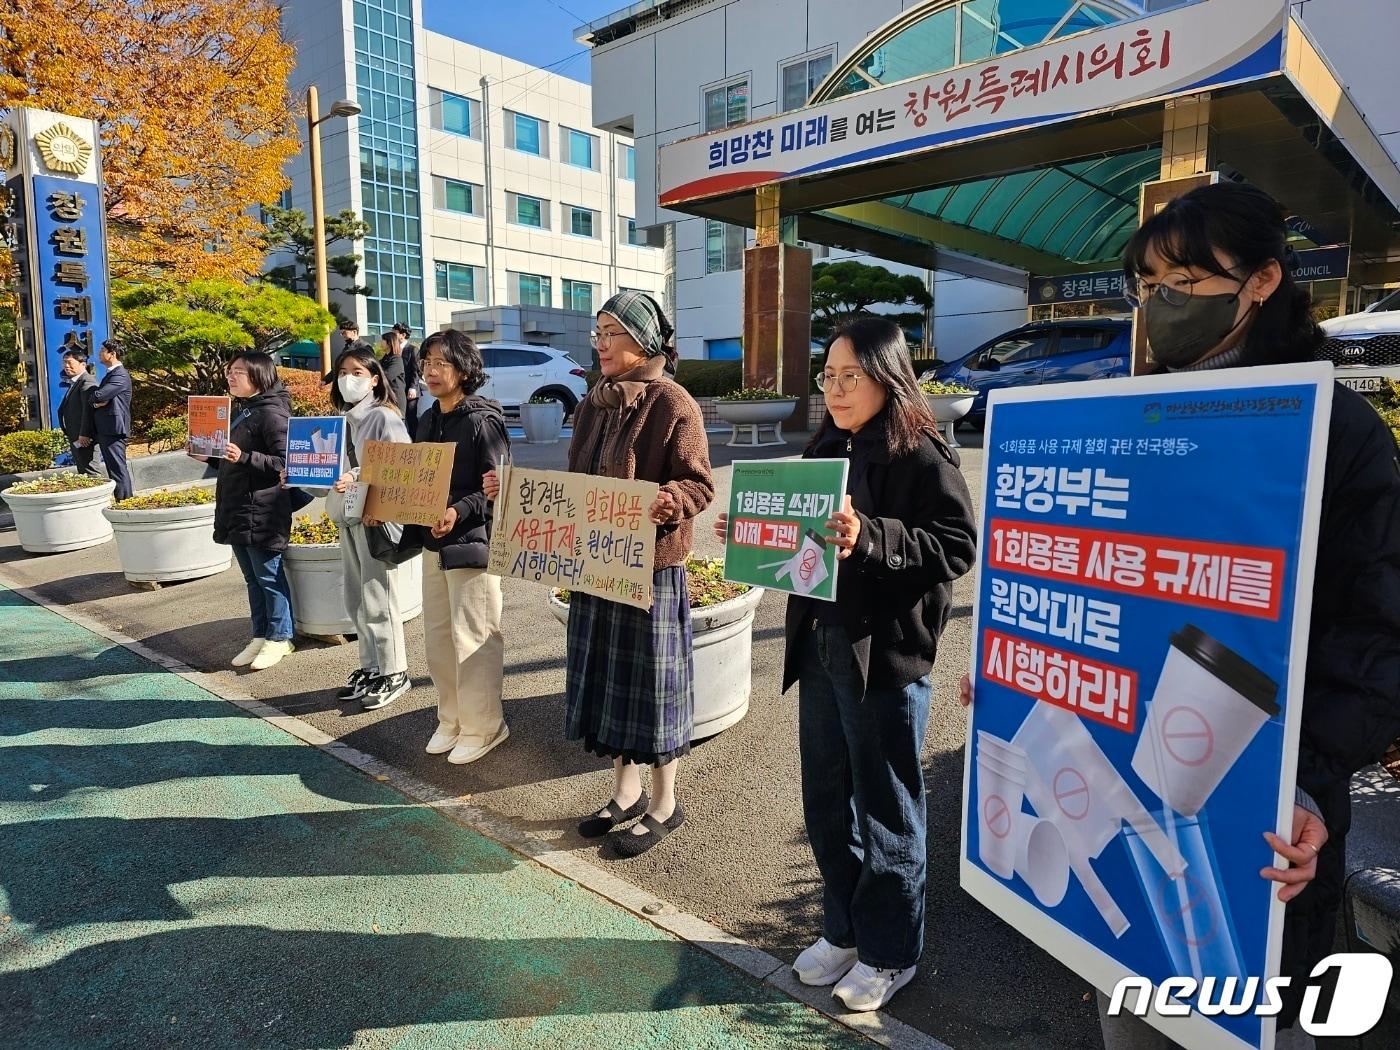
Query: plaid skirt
x: 628, y: 684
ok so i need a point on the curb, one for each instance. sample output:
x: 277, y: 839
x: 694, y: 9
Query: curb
x: 878, y: 1027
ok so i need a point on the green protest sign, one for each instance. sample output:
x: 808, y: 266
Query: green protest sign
x: 777, y: 525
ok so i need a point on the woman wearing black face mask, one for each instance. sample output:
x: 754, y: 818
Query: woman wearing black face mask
x: 1210, y: 274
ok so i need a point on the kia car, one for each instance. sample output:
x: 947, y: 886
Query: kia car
x: 1365, y: 347
x: 1042, y: 352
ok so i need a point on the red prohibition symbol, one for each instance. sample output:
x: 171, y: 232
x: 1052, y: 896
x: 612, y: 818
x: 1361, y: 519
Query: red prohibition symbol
x: 996, y: 814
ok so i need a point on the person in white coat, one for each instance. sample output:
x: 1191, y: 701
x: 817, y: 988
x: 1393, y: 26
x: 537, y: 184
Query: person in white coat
x: 362, y: 393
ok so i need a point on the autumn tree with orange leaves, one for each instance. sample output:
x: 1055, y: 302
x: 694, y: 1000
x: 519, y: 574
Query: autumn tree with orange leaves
x: 195, y: 119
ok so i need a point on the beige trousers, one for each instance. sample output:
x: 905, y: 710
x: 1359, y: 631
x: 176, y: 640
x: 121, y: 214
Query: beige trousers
x: 465, y: 649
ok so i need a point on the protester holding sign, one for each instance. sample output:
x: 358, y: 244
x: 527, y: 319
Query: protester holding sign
x: 370, y: 598
x: 628, y: 676
x: 1210, y: 274
x: 862, y: 662
x: 461, y: 601
x: 252, y: 511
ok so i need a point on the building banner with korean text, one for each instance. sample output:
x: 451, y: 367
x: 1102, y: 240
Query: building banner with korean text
x: 576, y: 531
x: 315, y: 451
x: 408, y: 484
x: 1140, y: 633
x: 777, y: 525
x: 207, y: 425
x: 1181, y: 50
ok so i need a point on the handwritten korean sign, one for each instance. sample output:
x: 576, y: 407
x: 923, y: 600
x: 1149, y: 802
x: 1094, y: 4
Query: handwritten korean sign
x: 407, y: 483
x: 576, y: 531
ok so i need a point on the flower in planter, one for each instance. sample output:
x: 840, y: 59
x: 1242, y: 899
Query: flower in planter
x: 934, y: 388
x: 55, y: 483
x: 705, y: 583
x: 166, y: 499
x: 755, y: 393
x: 305, y: 531
x: 543, y: 399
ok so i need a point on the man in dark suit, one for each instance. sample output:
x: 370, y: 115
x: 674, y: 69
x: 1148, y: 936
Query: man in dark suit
x: 411, y: 376
x: 75, y: 412
x: 111, y: 402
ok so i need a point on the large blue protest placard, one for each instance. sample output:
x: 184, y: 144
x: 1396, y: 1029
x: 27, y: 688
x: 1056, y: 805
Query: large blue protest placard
x: 315, y: 447
x: 1140, y: 634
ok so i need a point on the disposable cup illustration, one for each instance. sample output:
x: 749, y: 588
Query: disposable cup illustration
x: 1000, y: 789
x: 322, y: 443
x: 1209, y: 704
x: 806, y: 569
x: 1042, y: 859
x: 1191, y: 913
x: 1077, y: 787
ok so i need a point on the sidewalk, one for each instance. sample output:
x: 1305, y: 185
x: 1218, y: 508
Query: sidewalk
x: 741, y: 863
x: 178, y: 873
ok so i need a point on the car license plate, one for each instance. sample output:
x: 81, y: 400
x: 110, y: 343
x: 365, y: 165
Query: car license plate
x: 1363, y: 384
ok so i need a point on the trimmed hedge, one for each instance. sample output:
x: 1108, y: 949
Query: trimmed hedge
x: 11, y: 411
x: 26, y: 450
x: 709, y: 378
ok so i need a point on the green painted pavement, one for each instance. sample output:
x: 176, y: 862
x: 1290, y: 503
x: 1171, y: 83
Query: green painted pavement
x: 176, y: 873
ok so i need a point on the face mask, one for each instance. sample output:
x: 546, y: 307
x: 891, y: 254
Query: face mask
x: 1181, y: 335
x: 355, y: 388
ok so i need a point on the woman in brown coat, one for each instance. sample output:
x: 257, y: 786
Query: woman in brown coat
x: 628, y: 685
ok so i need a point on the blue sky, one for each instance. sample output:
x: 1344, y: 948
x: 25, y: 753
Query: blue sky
x: 540, y: 32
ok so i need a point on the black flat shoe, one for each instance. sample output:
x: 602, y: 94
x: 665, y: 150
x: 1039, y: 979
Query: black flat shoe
x: 610, y: 816
x: 629, y: 845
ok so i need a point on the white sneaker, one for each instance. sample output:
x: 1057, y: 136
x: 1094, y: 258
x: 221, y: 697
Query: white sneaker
x: 442, y: 742
x: 823, y: 963
x: 246, y: 654
x: 271, y: 654
x: 464, y: 753
x: 866, y: 988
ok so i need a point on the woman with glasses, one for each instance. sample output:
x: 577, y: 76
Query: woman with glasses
x: 862, y: 662
x: 629, y: 684
x: 252, y: 511
x: 1210, y: 274
x: 461, y: 600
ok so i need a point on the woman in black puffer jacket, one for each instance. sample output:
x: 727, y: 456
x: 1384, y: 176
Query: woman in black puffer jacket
x: 253, y: 512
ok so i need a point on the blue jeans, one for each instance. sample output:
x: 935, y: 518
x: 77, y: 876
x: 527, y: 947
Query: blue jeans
x: 863, y: 800
x: 269, y: 597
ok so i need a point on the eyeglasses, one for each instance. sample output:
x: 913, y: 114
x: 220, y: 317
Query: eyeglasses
x: 1175, y: 289
x: 845, y: 382
x: 596, y: 337
x: 434, y: 365
x: 232, y: 372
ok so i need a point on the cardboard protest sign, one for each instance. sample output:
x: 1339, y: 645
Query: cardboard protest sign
x: 777, y: 525
x: 207, y: 425
x: 408, y: 484
x: 576, y: 531
x: 315, y: 447
x: 1140, y: 636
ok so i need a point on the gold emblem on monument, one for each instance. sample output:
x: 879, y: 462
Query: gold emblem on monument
x: 9, y: 147
x: 63, y: 149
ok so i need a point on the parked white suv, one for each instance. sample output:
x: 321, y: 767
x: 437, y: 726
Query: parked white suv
x: 1365, y: 347
x: 516, y: 372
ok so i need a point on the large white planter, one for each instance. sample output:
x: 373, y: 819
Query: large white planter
x: 723, y: 649
x: 755, y: 415
x: 317, y: 579
x: 949, y: 408
x: 51, y: 522
x: 542, y: 423
x: 168, y: 544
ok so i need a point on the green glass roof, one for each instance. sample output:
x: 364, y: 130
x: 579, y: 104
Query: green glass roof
x: 946, y: 33
x: 1082, y: 212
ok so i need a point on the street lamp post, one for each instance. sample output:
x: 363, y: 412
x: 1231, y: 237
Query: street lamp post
x: 343, y: 108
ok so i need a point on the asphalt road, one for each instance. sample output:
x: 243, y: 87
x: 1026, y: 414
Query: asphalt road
x: 742, y: 860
